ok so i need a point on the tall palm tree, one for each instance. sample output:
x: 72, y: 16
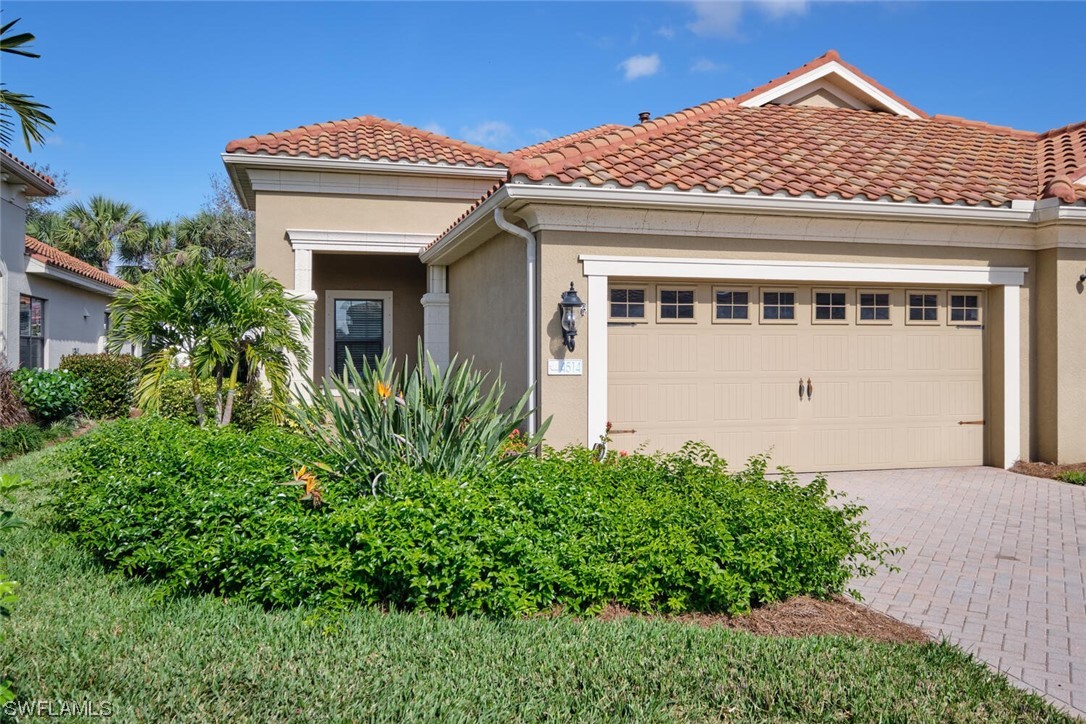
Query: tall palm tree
x: 139, y: 252
x: 221, y: 234
x: 215, y: 319
x: 98, y: 229
x: 32, y: 116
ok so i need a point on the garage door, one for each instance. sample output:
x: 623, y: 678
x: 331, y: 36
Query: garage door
x: 820, y: 377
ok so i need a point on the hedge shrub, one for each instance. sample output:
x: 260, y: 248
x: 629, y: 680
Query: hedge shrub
x: 50, y: 395
x: 252, y: 407
x: 205, y: 510
x: 111, y: 382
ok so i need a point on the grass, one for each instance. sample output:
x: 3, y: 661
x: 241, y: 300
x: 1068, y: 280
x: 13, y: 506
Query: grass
x: 81, y: 634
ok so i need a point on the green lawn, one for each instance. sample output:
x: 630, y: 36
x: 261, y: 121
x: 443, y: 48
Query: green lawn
x: 81, y: 634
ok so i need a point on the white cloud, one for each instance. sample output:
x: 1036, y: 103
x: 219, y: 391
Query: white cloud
x: 716, y: 19
x: 704, y: 65
x: 640, y: 66
x: 667, y: 32
x: 720, y: 18
x: 540, y: 134
x: 493, y: 134
x: 437, y: 128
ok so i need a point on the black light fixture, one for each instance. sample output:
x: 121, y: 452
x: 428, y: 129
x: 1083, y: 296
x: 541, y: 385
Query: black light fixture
x: 568, y: 307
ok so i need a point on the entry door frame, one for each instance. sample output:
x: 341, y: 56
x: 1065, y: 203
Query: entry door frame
x: 600, y: 268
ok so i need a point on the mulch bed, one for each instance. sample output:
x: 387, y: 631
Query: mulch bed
x: 801, y: 616
x: 1046, y: 470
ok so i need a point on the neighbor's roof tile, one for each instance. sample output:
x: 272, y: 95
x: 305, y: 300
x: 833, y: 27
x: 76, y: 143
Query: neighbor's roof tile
x: 51, y: 255
x: 368, y: 137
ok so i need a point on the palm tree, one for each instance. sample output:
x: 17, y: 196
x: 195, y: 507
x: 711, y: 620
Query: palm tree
x: 221, y: 234
x: 47, y: 227
x: 139, y: 252
x: 98, y: 229
x: 202, y: 311
x: 32, y: 116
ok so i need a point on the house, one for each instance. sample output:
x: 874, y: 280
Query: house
x: 815, y: 268
x: 51, y: 304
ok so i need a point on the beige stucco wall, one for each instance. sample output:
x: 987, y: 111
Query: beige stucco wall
x: 488, y: 311
x: 277, y: 212
x: 566, y: 397
x: 402, y: 274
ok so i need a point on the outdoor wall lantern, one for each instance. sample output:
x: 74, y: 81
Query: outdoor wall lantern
x: 569, y: 306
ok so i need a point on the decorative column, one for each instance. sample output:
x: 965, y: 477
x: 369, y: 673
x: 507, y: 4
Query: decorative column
x: 1012, y: 374
x: 303, y: 290
x: 435, y: 315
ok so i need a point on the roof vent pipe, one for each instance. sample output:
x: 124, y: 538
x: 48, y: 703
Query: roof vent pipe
x: 643, y: 117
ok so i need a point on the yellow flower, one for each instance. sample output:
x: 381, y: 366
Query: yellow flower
x: 383, y: 390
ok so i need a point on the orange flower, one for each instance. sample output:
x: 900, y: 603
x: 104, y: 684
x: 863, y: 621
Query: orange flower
x: 383, y: 390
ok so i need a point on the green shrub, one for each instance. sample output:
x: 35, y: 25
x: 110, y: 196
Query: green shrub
x: 252, y: 407
x: 50, y: 395
x: 206, y: 511
x: 12, y: 410
x: 442, y: 422
x: 27, y: 437
x: 111, y: 382
x: 1075, y: 477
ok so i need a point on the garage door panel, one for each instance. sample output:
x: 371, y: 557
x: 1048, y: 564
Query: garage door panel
x: 884, y: 395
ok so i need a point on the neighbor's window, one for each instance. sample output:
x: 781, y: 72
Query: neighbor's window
x: 965, y: 308
x: 778, y: 306
x: 923, y: 307
x: 731, y: 305
x: 830, y: 307
x: 873, y: 307
x: 31, y: 332
x: 676, y: 304
x: 627, y: 303
x: 359, y: 332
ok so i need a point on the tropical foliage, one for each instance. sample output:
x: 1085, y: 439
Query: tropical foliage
x: 381, y: 418
x: 217, y: 322
x: 32, y: 116
x: 111, y: 382
x: 50, y: 395
x: 96, y: 230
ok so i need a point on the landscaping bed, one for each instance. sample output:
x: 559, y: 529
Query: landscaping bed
x: 1074, y: 473
x: 79, y: 633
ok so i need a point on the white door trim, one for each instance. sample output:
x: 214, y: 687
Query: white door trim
x: 599, y: 269
x: 330, y: 296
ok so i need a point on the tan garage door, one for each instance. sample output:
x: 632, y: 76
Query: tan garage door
x: 896, y: 374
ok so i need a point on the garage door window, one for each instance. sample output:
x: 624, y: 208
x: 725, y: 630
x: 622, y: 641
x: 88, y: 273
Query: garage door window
x: 830, y: 307
x: 965, y: 308
x: 676, y: 305
x: 923, y: 308
x: 779, y: 306
x: 873, y: 307
x: 628, y: 303
x: 731, y: 306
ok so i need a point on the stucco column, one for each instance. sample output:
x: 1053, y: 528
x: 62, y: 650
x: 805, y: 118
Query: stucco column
x: 435, y: 315
x: 597, y: 359
x: 303, y: 290
x: 1012, y: 374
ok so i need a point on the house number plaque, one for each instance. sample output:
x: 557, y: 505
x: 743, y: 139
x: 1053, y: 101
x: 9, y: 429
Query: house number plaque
x: 565, y: 367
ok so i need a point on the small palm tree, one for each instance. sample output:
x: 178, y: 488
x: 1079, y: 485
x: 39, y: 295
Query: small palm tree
x: 216, y: 320
x: 101, y: 227
x: 32, y: 116
x: 47, y: 227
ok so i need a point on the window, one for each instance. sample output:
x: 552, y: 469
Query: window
x: 627, y: 303
x: 923, y: 308
x: 675, y: 305
x: 830, y: 307
x: 358, y: 324
x: 731, y: 305
x: 778, y: 305
x: 964, y: 308
x: 872, y: 307
x: 31, y: 332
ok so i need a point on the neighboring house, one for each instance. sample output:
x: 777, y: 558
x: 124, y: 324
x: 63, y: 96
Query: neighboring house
x: 52, y: 303
x: 815, y: 268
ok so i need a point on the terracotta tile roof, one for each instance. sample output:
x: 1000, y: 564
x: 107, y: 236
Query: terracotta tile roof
x: 829, y: 57
x: 1061, y: 157
x: 51, y: 255
x: 802, y: 150
x: 368, y: 137
x: 544, y: 146
x: 22, y: 164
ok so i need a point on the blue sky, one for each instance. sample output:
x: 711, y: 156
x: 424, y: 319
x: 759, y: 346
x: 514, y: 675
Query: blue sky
x: 146, y: 95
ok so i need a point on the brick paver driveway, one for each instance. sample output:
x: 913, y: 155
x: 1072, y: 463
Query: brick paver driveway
x: 995, y: 562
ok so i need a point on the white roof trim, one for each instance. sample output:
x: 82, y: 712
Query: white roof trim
x: 255, y: 160
x: 373, y: 242
x: 40, y: 268
x: 845, y: 76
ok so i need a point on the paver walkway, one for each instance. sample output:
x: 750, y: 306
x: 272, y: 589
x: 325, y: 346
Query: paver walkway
x: 995, y: 562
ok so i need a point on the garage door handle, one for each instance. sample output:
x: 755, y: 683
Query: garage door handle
x: 970, y: 422
x: 623, y: 432
x: 801, y: 389
x: 810, y: 389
